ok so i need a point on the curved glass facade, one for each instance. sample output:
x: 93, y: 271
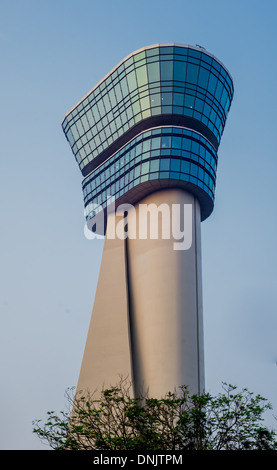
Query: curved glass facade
x: 155, y: 159
x: 166, y: 94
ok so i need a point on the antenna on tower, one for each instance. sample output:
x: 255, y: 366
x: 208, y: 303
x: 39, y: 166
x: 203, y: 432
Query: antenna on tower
x: 201, y: 47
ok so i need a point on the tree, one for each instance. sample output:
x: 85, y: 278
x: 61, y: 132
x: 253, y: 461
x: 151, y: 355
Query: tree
x: 115, y: 420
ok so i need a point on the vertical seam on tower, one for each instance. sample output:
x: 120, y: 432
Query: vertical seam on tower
x: 197, y: 299
x: 128, y: 295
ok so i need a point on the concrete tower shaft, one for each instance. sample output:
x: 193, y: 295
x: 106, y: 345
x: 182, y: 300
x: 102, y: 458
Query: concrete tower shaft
x: 147, y: 320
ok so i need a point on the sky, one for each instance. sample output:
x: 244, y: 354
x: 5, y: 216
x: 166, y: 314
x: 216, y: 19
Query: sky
x: 52, y: 54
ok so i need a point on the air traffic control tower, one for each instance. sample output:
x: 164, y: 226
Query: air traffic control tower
x: 147, y: 136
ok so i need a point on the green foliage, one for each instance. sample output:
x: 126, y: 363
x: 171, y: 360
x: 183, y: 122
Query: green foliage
x: 115, y: 420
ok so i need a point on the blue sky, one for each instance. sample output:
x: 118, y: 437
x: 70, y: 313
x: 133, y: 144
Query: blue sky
x: 52, y: 54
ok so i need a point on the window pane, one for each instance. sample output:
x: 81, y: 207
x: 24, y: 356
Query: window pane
x: 136, y: 107
x: 144, y: 103
x: 193, y: 169
x: 185, y: 166
x: 152, y: 52
x: 203, y: 77
x: 180, y: 71
x: 212, y: 83
x: 145, y: 168
x: 146, y: 145
x: 107, y: 103
x: 155, y: 143
x: 186, y: 144
x: 139, y: 56
x: 178, y: 99
x: 192, y: 73
x: 219, y: 89
x: 132, y: 83
x: 164, y: 164
x: 166, y: 142
x: 154, y: 165
x: 156, y: 99
x: 176, y: 142
x: 195, y: 147
x: 167, y: 70
x: 80, y: 127
x: 74, y: 132
x: 141, y: 73
x: 153, y: 72
x: 137, y: 171
x: 112, y: 97
x: 124, y: 87
x: 175, y: 165
x: 189, y: 101
x: 199, y: 105
x: 166, y: 99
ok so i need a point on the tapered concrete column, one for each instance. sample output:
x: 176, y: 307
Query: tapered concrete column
x: 165, y: 302
x: 147, y: 320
